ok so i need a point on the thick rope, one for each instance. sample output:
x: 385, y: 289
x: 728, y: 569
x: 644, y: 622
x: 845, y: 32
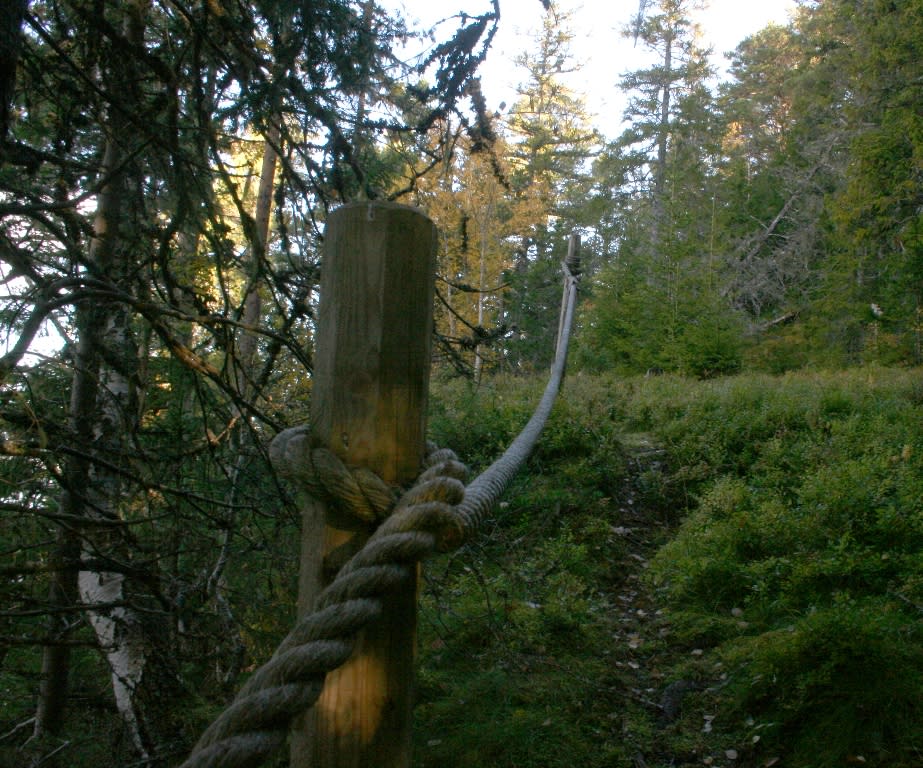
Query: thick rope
x: 437, y: 514
x: 485, y: 490
x: 355, y: 491
x: 423, y: 522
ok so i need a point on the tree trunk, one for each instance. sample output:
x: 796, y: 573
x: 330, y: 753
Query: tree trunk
x: 12, y: 13
x: 663, y: 135
x: 482, y: 281
x: 136, y: 646
x: 244, y: 371
x: 104, y: 415
x: 55, y: 675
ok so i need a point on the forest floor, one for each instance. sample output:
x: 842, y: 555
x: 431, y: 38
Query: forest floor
x: 602, y: 691
x: 640, y: 628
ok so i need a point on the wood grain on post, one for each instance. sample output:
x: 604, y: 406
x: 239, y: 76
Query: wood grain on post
x: 368, y: 405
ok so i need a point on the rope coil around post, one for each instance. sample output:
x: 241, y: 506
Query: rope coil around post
x: 257, y: 722
x: 437, y: 514
x: 355, y: 491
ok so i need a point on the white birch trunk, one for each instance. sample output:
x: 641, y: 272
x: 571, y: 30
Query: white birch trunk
x: 119, y: 633
x: 126, y: 638
x: 123, y: 643
x: 486, y: 219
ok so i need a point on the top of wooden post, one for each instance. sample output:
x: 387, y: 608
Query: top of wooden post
x: 374, y: 342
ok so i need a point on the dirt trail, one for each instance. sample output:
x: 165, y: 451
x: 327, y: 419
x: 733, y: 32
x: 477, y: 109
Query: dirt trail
x: 642, y: 652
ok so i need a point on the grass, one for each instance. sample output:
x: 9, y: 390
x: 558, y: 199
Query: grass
x: 784, y: 593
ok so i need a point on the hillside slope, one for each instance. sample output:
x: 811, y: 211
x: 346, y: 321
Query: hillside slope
x: 719, y: 573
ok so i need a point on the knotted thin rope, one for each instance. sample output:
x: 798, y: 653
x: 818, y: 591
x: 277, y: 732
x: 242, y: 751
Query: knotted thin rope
x: 437, y: 514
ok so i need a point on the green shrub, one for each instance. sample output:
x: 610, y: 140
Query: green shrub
x: 807, y: 527
x: 837, y: 685
x: 512, y: 626
x: 712, y: 348
x: 791, y: 590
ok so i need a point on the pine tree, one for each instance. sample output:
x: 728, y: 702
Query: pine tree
x: 877, y: 237
x: 658, y: 303
x: 551, y: 144
x: 143, y: 514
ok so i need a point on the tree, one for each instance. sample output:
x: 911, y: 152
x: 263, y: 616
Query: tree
x: 141, y: 512
x: 877, y: 228
x: 468, y: 201
x: 678, y: 74
x: 659, y: 303
x: 818, y: 152
x: 551, y: 143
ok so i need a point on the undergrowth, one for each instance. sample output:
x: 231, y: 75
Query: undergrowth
x: 808, y: 531
x: 511, y: 672
x: 785, y: 603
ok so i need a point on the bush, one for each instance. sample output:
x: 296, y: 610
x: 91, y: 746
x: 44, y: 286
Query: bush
x: 512, y: 625
x: 808, y: 528
x: 839, y: 685
x: 711, y: 347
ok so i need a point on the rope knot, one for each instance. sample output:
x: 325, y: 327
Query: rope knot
x: 356, y: 492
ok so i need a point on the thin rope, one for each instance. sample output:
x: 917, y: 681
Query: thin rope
x: 437, y: 514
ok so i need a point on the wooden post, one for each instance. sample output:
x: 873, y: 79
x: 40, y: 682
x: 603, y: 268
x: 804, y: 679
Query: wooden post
x: 571, y: 269
x: 368, y: 405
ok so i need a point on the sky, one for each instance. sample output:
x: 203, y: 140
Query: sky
x: 598, y: 45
